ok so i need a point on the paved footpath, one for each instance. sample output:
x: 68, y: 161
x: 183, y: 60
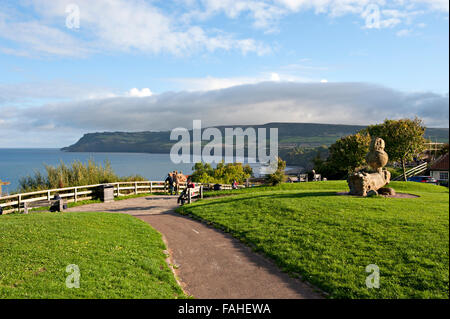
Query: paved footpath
x: 211, y: 264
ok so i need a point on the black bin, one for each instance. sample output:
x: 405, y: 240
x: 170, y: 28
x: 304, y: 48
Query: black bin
x: 107, y: 193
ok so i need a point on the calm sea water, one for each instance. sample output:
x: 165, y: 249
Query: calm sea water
x: 16, y: 163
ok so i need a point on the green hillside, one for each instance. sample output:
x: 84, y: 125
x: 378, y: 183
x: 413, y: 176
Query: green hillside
x: 290, y: 135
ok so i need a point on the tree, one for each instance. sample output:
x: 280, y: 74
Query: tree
x: 404, y: 139
x: 346, y: 156
x: 223, y: 173
x: 443, y: 150
x: 278, y: 176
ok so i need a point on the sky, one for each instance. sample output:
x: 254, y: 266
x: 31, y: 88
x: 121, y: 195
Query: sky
x: 78, y: 66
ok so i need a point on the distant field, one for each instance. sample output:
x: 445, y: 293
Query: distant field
x: 319, y: 140
x: 119, y: 256
x: 329, y: 240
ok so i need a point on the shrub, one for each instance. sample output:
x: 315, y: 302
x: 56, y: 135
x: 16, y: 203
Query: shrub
x: 278, y: 176
x: 223, y: 173
x: 78, y: 174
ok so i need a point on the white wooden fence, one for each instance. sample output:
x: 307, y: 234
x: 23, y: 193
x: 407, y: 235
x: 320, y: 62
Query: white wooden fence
x: 14, y: 203
x: 413, y: 172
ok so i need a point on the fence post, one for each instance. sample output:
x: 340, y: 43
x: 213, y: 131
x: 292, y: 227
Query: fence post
x: 118, y: 189
x: 48, y: 195
x: 135, y: 188
x: 189, y: 195
x: 19, y: 199
x: 201, y: 191
x: 75, y: 194
x: 151, y: 187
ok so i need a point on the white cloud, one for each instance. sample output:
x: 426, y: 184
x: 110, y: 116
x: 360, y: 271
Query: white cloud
x: 118, y: 25
x: 26, y: 92
x: 210, y: 83
x: 266, y: 14
x: 439, y: 5
x: 342, y: 103
x: 37, y: 37
x: 275, y: 77
x: 141, y: 26
x: 134, y: 92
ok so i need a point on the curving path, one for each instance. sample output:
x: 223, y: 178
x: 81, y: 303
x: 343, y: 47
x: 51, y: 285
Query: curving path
x: 209, y: 263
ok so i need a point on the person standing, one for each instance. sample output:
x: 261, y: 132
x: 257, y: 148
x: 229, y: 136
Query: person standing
x: 169, y: 180
x: 176, y: 182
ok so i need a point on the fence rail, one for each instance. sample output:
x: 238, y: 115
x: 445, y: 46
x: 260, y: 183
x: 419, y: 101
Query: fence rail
x: 419, y: 169
x: 15, y: 203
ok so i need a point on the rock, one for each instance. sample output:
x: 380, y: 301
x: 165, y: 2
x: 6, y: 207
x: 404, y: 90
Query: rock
x: 377, y: 158
x: 372, y: 193
x: 387, y: 191
x: 362, y: 183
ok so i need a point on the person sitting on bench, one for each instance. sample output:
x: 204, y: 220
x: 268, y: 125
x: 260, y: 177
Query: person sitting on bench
x: 183, y: 196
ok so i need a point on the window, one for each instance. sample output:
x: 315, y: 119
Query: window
x: 443, y: 175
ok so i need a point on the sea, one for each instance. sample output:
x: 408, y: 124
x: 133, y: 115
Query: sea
x: 21, y: 162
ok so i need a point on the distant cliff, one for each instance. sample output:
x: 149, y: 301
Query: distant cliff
x: 289, y: 136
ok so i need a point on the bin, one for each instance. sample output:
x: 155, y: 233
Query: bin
x: 107, y: 193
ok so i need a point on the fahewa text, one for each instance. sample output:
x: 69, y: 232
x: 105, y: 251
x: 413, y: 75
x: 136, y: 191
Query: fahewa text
x: 247, y: 308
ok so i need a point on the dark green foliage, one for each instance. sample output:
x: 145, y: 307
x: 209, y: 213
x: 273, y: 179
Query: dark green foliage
x: 404, y: 138
x: 222, y: 174
x: 303, y: 156
x: 278, y: 176
x: 443, y: 150
x: 346, y: 155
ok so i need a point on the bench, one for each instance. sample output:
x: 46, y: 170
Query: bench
x: 55, y: 205
x: 303, y: 177
x: 192, y: 193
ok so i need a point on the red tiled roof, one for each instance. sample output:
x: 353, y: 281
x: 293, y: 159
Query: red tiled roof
x: 441, y: 164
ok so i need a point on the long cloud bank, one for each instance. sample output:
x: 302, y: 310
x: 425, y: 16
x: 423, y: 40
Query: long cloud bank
x: 343, y: 103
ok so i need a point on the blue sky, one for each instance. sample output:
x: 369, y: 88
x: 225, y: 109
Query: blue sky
x: 348, y: 58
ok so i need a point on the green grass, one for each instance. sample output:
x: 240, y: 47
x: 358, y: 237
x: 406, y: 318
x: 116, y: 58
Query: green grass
x: 119, y: 256
x: 329, y: 240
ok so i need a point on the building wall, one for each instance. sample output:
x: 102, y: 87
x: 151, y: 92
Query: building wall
x: 437, y: 175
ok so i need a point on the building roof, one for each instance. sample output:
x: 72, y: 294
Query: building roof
x: 441, y: 164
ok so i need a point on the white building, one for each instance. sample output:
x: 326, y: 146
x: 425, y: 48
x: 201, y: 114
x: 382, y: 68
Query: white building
x: 439, y: 169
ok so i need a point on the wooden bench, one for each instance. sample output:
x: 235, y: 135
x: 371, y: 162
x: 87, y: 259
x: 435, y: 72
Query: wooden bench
x: 55, y: 204
x: 303, y: 177
x: 192, y: 193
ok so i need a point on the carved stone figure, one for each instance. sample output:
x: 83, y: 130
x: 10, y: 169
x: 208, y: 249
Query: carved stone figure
x: 363, y: 183
x: 377, y: 158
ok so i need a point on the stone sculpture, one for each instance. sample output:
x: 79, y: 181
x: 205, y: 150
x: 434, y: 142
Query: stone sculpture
x: 368, y: 184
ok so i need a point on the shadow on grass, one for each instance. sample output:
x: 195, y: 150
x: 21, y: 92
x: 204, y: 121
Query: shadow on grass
x: 291, y: 195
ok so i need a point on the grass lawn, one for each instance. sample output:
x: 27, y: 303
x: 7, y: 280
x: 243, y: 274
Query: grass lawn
x: 119, y: 256
x: 329, y: 240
